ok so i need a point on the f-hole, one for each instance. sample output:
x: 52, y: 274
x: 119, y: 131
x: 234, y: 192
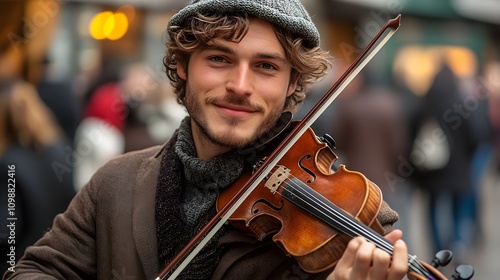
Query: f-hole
x: 258, y: 204
x: 310, y: 172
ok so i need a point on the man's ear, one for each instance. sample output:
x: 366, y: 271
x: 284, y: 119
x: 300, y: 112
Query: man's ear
x: 293, y: 84
x: 182, y: 70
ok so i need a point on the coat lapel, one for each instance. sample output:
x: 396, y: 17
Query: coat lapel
x: 144, y: 224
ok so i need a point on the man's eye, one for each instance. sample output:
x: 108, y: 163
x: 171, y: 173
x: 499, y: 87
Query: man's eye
x: 217, y: 58
x: 268, y: 66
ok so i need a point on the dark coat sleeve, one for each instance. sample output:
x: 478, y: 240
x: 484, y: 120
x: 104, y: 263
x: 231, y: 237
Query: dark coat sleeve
x: 69, y: 245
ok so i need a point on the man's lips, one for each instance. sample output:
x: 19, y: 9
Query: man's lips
x: 235, y: 110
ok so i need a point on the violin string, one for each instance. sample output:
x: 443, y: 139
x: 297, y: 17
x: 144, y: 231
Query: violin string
x: 355, y: 228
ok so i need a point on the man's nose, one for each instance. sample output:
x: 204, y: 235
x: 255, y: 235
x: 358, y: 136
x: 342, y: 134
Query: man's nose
x: 240, y: 80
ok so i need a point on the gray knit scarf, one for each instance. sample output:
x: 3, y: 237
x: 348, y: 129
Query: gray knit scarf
x: 187, y: 189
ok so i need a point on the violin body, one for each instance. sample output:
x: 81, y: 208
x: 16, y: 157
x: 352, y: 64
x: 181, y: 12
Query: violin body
x: 316, y: 245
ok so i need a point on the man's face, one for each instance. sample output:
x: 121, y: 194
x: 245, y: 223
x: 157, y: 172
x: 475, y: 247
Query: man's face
x: 236, y: 91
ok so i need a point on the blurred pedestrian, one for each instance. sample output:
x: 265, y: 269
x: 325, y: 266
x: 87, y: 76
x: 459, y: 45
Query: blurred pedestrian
x: 100, y: 134
x: 60, y: 98
x: 153, y: 113
x: 30, y: 143
x: 442, y: 152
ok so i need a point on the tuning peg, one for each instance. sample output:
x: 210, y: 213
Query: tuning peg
x: 328, y: 140
x: 463, y: 272
x: 442, y: 258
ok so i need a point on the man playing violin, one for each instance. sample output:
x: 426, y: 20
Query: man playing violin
x: 235, y: 66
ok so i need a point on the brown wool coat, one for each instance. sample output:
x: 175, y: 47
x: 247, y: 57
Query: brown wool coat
x: 109, y: 232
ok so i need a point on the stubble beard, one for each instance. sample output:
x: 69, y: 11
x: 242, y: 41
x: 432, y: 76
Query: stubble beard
x: 226, y: 139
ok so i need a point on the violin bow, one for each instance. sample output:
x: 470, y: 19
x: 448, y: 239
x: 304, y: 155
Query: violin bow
x: 209, y: 230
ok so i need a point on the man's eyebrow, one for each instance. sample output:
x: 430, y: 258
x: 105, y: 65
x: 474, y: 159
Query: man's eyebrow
x: 273, y: 56
x: 220, y: 48
x: 261, y: 55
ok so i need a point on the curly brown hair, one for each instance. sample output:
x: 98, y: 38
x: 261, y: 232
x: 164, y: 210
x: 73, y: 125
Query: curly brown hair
x: 199, y: 31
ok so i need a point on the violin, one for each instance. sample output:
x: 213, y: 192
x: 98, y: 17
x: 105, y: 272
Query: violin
x: 295, y: 179
x: 312, y: 210
x: 302, y: 203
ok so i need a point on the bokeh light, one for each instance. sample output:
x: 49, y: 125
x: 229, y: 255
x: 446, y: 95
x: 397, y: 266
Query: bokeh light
x: 108, y: 25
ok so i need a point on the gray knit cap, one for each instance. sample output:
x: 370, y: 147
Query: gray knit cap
x: 288, y: 14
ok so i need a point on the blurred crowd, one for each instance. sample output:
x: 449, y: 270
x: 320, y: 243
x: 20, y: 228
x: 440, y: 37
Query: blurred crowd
x: 439, y: 139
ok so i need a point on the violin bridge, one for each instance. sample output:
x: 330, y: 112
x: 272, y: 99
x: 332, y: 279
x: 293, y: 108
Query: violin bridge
x: 277, y: 178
